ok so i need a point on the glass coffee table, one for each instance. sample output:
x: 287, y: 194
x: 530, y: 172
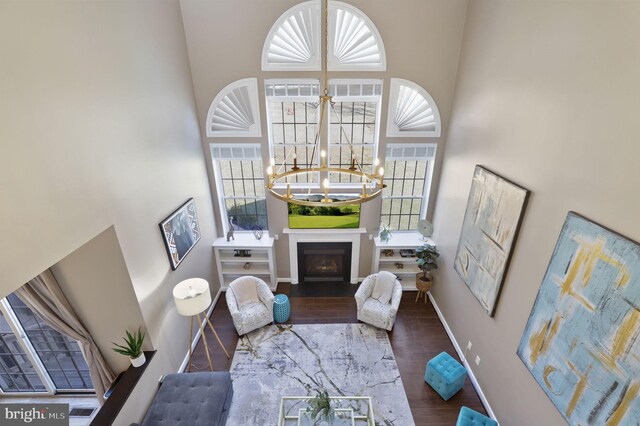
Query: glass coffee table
x: 350, y: 411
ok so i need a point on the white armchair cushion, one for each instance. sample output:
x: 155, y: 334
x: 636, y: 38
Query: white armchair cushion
x: 245, y: 291
x: 253, y: 314
x: 371, y: 310
x: 384, y: 286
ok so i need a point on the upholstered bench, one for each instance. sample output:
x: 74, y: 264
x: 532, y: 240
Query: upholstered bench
x: 445, y: 375
x: 188, y: 399
x: 469, y: 417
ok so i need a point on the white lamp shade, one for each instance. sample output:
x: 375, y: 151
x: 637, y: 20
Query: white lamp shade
x: 192, y: 296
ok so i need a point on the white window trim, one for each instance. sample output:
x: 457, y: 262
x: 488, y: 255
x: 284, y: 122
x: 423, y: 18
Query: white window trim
x: 428, y: 176
x: 218, y: 178
x: 376, y: 136
x: 286, y: 98
x: 394, y: 92
x: 255, y: 130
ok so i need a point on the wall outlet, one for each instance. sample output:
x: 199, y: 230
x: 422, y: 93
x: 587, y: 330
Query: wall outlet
x: 371, y: 236
x: 477, y: 360
x: 275, y: 236
x: 469, y: 345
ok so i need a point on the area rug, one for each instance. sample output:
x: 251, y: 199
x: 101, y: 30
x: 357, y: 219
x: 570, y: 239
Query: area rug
x: 296, y: 360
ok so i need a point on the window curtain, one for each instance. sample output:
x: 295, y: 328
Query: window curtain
x: 44, y: 297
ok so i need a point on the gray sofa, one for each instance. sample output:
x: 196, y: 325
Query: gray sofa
x: 188, y: 399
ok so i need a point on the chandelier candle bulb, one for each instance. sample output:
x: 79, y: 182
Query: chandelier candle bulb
x: 295, y: 162
x: 325, y: 183
x: 288, y: 190
x: 323, y: 158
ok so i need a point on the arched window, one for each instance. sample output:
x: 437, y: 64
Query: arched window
x: 234, y: 112
x: 412, y: 111
x: 294, y: 41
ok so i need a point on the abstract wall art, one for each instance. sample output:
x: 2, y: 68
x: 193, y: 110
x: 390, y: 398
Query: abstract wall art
x: 581, y: 342
x: 180, y: 232
x: 491, y: 223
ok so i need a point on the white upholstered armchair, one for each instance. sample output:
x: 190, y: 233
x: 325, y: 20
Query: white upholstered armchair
x: 378, y: 299
x: 250, y: 303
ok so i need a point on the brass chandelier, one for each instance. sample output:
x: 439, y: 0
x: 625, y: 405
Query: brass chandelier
x: 278, y: 176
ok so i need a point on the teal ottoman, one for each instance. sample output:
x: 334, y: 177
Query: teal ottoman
x: 469, y: 417
x: 445, y: 375
x: 281, y: 308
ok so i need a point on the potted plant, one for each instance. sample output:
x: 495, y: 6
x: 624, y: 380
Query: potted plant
x: 132, y: 347
x: 426, y: 256
x: 320, y: 408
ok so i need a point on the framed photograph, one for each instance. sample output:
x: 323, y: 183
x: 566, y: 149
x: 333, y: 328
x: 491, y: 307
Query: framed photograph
x: 582, y: 340
x: 491, y: 224
x: 180, y: 232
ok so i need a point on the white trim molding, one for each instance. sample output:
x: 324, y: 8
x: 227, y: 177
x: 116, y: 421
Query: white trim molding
x: 472, y: 377
x: 412, y: 111
x: 235, y: 111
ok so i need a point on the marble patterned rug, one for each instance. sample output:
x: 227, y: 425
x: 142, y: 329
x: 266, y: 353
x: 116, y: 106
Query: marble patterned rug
x: 295, y: 360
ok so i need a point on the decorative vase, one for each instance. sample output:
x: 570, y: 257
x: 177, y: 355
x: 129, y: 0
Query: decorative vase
x: 139, y: 361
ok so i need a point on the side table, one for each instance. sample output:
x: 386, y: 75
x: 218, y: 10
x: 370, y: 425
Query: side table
x: 281, y: 308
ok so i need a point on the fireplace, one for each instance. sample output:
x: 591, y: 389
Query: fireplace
x: 327, y: 262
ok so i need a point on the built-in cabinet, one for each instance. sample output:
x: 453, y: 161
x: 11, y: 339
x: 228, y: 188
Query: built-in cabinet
x: 245, y: 256
x: 386, y: 257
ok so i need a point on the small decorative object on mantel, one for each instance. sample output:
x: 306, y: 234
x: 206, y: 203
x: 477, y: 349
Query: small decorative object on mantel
x: 180, y: 232
x: 257, y: 232
x: 246, y: 266
x: 426, y: 256
x: 320, y: 408
x: 385, y: 233
x: 132, y: 347
x: 399, y: 265
x: 230, y: 232
x: 388, y: 252
x: 242, y: 253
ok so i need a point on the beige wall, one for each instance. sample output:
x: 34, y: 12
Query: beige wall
x: 547, y: 95
x: 225, y: 40
x: 96, y: 282
x: 98, y: 128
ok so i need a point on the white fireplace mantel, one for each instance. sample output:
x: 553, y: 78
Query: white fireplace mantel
x: 324, y: 235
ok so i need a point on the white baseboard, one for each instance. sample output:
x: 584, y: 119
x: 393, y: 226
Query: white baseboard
x: 196, y: 339
x: 472, y: 377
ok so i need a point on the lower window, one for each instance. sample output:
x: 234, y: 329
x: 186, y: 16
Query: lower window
x: 36, y: 358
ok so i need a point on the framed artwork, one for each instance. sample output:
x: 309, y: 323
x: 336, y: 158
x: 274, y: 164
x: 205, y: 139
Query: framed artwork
x: 582, y: 340
x: 491, y: 223
x: 180, y: 232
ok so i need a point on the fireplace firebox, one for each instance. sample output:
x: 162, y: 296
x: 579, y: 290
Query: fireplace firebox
x: 327, y: 262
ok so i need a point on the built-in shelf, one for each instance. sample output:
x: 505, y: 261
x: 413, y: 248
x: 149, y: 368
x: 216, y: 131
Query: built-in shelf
x: 260, y: 264
x: 405, y: 268
x: 120, y: 391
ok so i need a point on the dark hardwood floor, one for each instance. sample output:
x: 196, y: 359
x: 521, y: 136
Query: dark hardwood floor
x: 417, y: 336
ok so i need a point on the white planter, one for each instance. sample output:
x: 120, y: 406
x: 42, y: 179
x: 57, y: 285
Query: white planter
x: 138, y: 362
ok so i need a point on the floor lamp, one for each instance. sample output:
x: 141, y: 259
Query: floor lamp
x: 192, y: 298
